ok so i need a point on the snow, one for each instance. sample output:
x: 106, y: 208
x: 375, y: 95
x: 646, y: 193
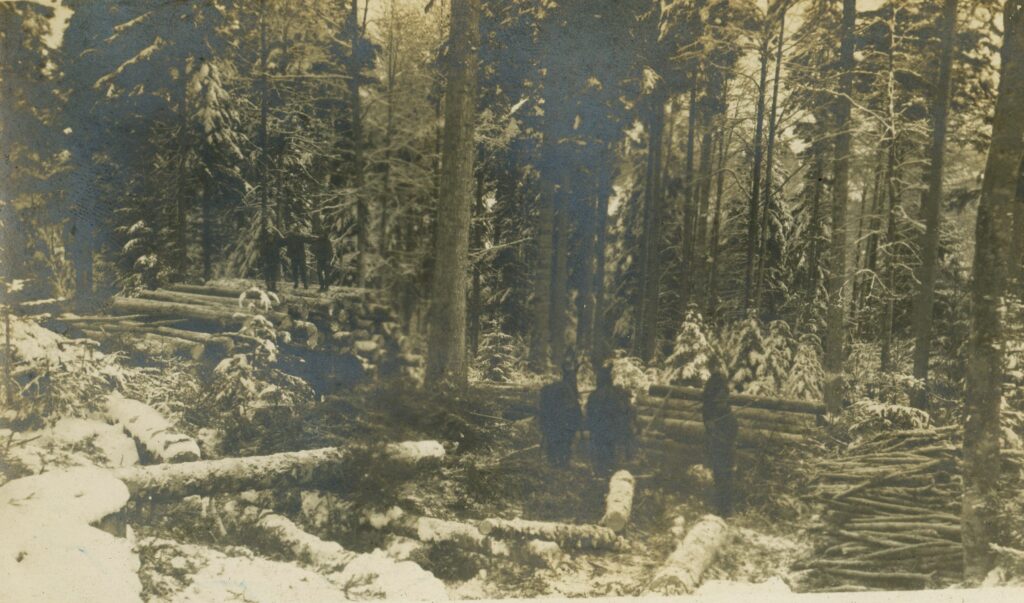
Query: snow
x: 153, y: 431
x: 375, y: 575
x: 70, y: 442
x: 45, y: 522
x: 35, y: 344
x: 414, y: 452
x: 727, y: 588
x: 119, y: 449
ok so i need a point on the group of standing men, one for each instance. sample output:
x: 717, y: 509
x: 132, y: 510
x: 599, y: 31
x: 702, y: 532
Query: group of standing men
x: 610, y: 421
x: 294, y: 243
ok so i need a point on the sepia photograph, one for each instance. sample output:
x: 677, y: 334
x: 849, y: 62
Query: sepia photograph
x: 435, y: 300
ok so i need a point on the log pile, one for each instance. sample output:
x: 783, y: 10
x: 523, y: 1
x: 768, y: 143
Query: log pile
x: 202, y: 321
x: 670, y: 417
x: 891, y: 513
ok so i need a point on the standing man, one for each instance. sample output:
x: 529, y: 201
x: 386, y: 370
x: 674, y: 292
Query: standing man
x: 295, y: 247
x: 609, y: 420
x: 269, y: 244
x: 323, y: 253
x: 720, y: 430
x: 559, y: 415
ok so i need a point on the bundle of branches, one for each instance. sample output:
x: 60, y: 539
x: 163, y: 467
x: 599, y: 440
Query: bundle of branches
x: 891, y: 516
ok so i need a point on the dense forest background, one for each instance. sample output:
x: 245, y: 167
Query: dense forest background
x: 801, y: 187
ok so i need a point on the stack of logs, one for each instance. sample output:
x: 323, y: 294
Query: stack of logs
x: 891, y: 513
x: 670, y: 420
x: 203, y: 320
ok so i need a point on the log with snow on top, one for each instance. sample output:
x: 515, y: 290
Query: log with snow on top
x: 565, y: 534
x: 682, y: 571
x: 152, y: 430
x: 619, y: 502
x: 322, y: 467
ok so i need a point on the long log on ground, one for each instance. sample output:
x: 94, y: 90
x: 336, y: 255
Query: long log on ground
x: 221, y: 317
x: 217, y: 343
x: 744, y: 420
x: 682, y: 571
x: 693, y: 393
x: 190, y: 298
x: 565, y: 534
x: 695, y: 429
x: 322, y: 467
x: 619, y: 501
x: 149, y: 343
x: 151, y: 429
x: 649, y: 405
x: 277, y: 533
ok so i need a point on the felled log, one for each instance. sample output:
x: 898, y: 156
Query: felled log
x: 682, y: 571
x: 322, y: 467
x: 692, y: 409
x: 151, y: 429
x: 743, y: 420
x: 147, y: 342
x: 277, y: 533
x: 220, y: 316
x: 190, y: 298
x: 746, y: 436
x: 768, y: 403
x: 619, y: 501
x: 219, y: 344
x: 565, y: 534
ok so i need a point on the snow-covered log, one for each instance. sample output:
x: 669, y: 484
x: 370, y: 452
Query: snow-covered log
x: 565, y: 534
x: 304, y: 469
x: 150, y: 343
x: 619, y: 503
x: 682, y: 571
x: 278, y: 533
x: 152, y: 430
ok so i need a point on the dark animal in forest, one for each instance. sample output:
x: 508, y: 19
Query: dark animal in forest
x: 295, y: 249
x: 559, y: 416
x: 610, y: 421
x: 269, y: 244
x: 720, y: 430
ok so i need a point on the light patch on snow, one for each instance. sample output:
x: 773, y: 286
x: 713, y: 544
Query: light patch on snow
x: 45, y: 521
x: 375, y: 575
x: 35, y: 344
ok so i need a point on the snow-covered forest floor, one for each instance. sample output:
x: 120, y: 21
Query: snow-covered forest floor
x: 493, y: 468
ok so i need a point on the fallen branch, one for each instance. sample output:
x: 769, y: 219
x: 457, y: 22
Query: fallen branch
x: 565, y: 534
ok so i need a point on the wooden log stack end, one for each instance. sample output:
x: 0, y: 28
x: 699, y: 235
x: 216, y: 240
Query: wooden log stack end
x: 619, y: 501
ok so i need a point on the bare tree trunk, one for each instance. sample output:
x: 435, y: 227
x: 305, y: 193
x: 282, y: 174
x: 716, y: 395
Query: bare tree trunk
x: 585, y: 294
x: 600, y: 331
x: 894, y: 200
x: 446, y: 343
x: 689, y: 198
x: 763, y: 264
x: 931, y: 207
x: 355, y: 105
x: 814, y: 255
x: 181, y: 215
x: 985, y: 361
x: 477, y: 244
x: 835, y: 329
x: 540, y: 338
x: 651, y: 275
x: 389, y: 130
x: 559, y: 277
x: 753, y: 236
x: 264, y: 110
x: 716, y: 224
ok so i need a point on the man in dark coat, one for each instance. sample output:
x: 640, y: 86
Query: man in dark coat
x: 720, y: 439
x: 609, y: 421
x: 323, y: 252
x: 269, y: 244
x: 559, y: 416
x: 295, y: 248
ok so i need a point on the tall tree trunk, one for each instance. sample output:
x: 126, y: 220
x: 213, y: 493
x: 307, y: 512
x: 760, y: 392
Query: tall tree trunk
x: 389, y: 130
x: 689, y: 199
x: 559, y: 277
x: 835, y: 329
x: 894, y: 201
x: 931, y: 206
x: 207, y: 233
x: 716, y: 224
x: 763, y: 262
x: 585, y: 267
x: 477, y: 245
x: 264, y: 110
x: 540, y: 338
x: 814, y: 255
x: 753, y: 236
x: 653, y: 214
x: 446, y: 343
x: 600, y: 333
x: 700, y: 234
x: 985, y: 361
x: 355, y: 105
x: 181, y: 207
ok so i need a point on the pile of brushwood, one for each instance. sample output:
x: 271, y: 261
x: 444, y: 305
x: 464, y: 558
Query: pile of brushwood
x: 891, y: 513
